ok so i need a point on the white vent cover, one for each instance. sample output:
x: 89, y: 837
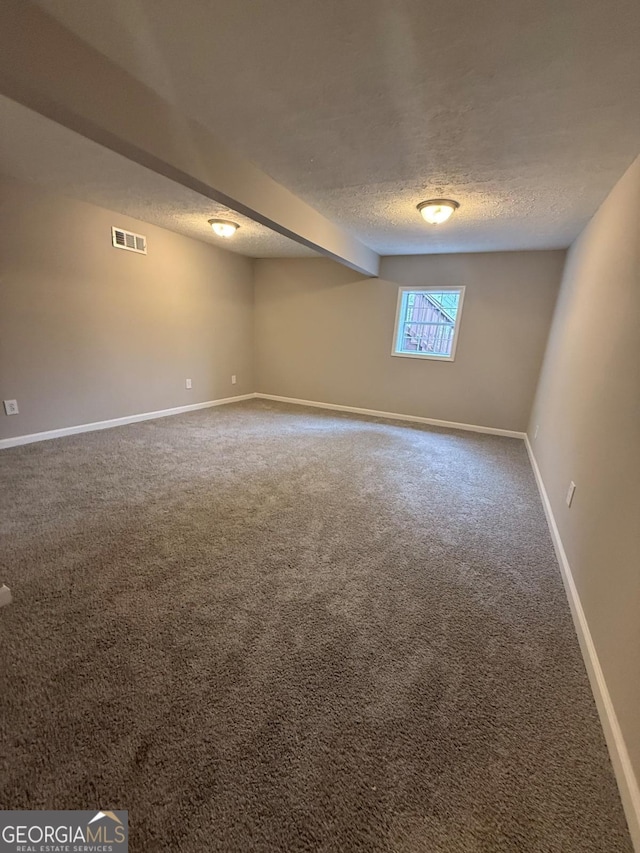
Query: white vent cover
x: 122, y: 239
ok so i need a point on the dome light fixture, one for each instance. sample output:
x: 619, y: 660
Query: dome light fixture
x: 437, y: 210
x: 223, y: 227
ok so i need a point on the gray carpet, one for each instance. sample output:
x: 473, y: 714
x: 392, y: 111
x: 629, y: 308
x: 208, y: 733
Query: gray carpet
x: 265, y: 628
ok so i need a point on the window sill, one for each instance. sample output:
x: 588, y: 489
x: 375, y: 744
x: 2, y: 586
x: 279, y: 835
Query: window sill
x: 424, y: 356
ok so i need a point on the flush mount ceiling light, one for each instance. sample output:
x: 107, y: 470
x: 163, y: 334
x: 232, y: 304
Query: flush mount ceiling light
x: 437, y: 210
x: 223, y: 227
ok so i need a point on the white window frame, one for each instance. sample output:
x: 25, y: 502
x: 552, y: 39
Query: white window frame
x: 398, y: 332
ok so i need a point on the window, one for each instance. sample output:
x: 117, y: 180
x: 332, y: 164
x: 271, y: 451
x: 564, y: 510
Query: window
x: 427, y: 322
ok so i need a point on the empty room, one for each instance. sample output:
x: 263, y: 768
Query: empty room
x: 319, y: 426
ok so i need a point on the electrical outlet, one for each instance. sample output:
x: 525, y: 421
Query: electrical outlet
x: 535, y: 433
x: 11, y: 407
x: 233, y: 379
x: 570, y: 493
x: 187, y: 383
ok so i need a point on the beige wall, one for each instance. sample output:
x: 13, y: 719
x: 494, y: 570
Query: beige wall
x: 324, y: 333
x: 89, y: 332
x: 587, y: 410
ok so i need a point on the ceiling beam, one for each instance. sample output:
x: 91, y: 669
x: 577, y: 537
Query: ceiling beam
x: 49, y: 69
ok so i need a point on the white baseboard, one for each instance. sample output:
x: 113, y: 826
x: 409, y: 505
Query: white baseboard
x: 114, y: 422
x: 163, y: 413
x: 394, y: 416
x: 625, y: 776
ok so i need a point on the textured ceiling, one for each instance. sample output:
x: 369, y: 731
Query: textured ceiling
x: 33, y: 148
x: 525, y: 112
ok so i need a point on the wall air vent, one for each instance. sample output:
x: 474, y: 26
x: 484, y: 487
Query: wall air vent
x: 126, y: 240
